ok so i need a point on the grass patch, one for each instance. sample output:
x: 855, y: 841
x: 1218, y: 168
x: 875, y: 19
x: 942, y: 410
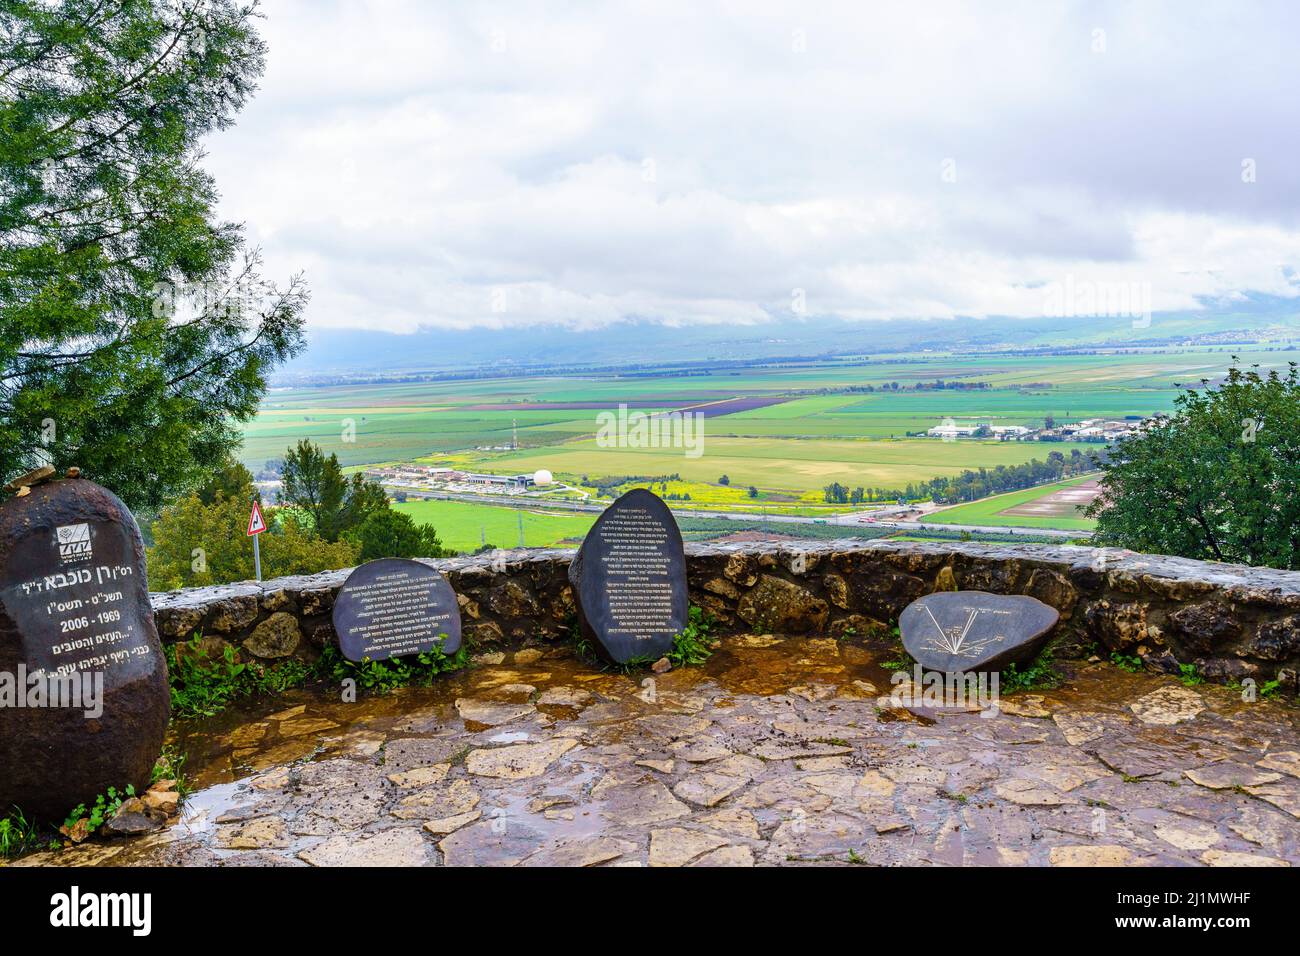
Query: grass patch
x: 383, y: 677
x: 1040, y: 675
x: 1126, y: 662
x: 692, y: 646
x: 203, y: 686
x: 18, y: 835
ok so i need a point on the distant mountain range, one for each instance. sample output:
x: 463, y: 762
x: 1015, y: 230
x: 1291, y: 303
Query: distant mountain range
x: 341, y: 355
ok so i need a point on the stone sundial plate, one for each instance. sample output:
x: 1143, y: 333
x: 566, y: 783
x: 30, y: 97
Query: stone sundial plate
x: 958, y: 631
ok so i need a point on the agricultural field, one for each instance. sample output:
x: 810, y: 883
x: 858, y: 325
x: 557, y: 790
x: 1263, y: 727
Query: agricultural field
x: 796, y: 468
x: 466, y: 526
x: 1046, y: 506
x: 787, y: 429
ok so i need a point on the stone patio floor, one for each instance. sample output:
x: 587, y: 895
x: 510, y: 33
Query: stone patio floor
x: 780, y: 751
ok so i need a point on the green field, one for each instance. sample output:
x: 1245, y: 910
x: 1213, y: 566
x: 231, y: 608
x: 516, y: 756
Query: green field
x: 464, y: 526
x: 988, y: 511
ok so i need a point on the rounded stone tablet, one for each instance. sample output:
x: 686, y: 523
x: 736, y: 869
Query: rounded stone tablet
x: 958, y: 631
x: 629, y: 579
x: 84, y: 698
x: 394, y: 607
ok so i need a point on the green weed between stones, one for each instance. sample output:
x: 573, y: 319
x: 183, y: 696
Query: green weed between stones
x: 204, y: 686
x: 171, y: 766
x: 103, y: 807
x: 1126, y: 662
x: 692, y: 646
x: 18, y: 835
x: 1040, y: 675
x: 383, y: 677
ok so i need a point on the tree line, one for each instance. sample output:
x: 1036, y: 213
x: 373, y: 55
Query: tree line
x: 972, y: 485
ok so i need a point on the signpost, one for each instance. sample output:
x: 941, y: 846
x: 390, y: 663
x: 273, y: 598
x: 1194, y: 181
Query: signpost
x: 256, y: 525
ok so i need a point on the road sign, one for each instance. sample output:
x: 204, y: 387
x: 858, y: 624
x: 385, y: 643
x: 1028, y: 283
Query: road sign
x: 256, y: 523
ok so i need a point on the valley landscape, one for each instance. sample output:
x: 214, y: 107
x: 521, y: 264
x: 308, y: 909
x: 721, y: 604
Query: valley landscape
x: 776, y: 433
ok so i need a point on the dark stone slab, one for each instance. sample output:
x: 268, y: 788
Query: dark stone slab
x: 957, y: 631
x: 393, y: 608
x: 74, y: 604
x: 629, y: 579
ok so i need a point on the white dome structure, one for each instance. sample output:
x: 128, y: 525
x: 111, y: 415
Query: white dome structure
x: 542, y: 477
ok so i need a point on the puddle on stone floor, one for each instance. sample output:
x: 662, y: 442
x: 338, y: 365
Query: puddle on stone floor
x: 777, y: 751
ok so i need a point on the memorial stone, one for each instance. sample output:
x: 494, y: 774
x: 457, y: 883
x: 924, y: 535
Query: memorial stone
x: 393, y: 607
x: 629, y: 579
x: 84, y: 698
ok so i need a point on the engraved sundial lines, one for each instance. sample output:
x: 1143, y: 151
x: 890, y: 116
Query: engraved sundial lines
x: 952, y: 639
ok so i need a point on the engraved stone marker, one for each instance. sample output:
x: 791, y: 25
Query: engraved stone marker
x: 957, y: 631
x: 75, y: 613
x: 394, y: 607
x: 629, y: 579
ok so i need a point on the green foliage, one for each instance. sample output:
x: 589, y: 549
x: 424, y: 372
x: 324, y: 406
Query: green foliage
x: 835, y: 494
x: 1214, y: 481
x: 203, y: 686
x: 196, y: 544
x: 171, y: 766
x: 131, y: 318
x: 1041, y: 674
x: 693, y: 646
x: 1189, y: 676
x: 103, y: 808
x: 231, y: 480
x: 392, y: 534
x: 1127, y: 662
x: 18, y: 835
x: 383, y: 677
x: 315, y: 485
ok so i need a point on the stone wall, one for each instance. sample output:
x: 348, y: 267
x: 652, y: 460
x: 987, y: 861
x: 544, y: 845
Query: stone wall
x: 1231, y: 621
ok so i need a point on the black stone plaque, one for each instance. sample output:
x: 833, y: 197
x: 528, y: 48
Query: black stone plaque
x: 958, y: 631
x: 394, y: 607
x: 74, y: 610
x: 629, y: 579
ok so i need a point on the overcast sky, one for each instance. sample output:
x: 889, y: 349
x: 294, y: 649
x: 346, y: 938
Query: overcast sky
x: 458, y: 164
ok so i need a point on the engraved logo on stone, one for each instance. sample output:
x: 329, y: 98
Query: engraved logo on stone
x: 953, y: 640
x: 74, y: 542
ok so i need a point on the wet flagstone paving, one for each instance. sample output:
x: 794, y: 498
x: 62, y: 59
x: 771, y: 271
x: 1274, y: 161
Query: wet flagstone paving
x: 778, y: 752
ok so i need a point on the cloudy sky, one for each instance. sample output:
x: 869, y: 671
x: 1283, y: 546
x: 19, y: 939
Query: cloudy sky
x: 468, y: 165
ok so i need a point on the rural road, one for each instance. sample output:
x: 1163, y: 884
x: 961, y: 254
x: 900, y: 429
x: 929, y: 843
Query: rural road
x: 854, y: 519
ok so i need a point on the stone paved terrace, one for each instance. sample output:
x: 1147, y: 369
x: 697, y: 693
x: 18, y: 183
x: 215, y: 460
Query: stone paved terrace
x: 780, y: 751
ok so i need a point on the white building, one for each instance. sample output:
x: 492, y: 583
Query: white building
x: 952, y: 431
